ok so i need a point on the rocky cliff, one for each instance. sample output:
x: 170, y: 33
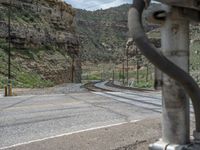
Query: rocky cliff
x: 44, y: 44
x: 104, y: 33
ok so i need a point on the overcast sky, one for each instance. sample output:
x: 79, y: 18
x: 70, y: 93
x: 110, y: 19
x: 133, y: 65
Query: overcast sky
x: 96, y: 4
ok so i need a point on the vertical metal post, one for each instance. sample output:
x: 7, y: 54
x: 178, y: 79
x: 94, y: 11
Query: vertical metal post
x: 127, y: 65
x: 137, y: 67
x: 175, y: 46
x: 9, y: 50
x: 6, y: 91
x: 113, y: 78
x: 147, y: 72
x: 123, y: 72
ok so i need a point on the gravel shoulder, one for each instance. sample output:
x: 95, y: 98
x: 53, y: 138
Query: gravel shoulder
x: 60, y: 89
x: 128, y: 136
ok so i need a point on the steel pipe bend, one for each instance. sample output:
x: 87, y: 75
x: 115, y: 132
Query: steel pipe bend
x: 160, y: 61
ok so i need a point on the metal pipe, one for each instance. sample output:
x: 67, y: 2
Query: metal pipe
x: 160, y: 61
x: 175, y: 107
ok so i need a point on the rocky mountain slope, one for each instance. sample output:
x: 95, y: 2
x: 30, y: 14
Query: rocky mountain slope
x: 48, y: 36
x: 103, y: 33
x: 44, y: 45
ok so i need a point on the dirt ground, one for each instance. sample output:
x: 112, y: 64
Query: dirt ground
x: 60, y: 89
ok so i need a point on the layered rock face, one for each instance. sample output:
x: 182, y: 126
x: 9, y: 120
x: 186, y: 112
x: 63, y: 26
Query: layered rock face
x: 104, y: 33
x: 43, y: 38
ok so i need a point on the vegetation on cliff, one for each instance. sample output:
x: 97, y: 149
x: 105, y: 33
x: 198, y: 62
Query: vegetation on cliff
x: 104, y: 36
x: 43, y: 42
x: 103, y: 33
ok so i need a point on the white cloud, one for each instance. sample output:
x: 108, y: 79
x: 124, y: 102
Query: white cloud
x: 114, y: 3
x: 96, y: 4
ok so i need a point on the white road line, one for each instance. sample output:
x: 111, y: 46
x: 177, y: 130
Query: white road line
x: 66, y: 134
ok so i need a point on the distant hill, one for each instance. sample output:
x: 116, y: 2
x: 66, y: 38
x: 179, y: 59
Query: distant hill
x: 103, y: 33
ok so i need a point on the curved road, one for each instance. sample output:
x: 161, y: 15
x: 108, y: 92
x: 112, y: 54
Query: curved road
x: 28, y: 118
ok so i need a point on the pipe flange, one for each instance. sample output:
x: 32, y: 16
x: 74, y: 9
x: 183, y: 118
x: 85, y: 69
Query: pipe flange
x: 157, y: 15
x: 191, y: 8
x: 189, y: 4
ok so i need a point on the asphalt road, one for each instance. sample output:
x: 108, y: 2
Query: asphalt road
x: 29, y: 118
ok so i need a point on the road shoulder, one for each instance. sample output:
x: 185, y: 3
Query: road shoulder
x: 128, y: 136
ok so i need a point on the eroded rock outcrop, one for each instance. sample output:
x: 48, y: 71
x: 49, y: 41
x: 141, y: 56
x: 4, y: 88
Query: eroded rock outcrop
x: 45, y: 30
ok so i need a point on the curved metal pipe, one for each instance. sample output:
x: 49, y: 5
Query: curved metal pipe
x: 159, y: 60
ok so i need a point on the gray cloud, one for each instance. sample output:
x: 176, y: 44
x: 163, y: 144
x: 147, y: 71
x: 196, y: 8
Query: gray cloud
x: 96, y: 4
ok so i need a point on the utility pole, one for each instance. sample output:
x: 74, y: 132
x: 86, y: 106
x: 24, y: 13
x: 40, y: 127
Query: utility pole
x: 9, y: 51
x: 127, y: 65
x: 113, y: 78
x: 147, y: 72
x: 123, y: 71
x: 137, y: 66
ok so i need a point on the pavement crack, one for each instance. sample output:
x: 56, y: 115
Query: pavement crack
x: 16, y: 103
x: 125, y: 117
